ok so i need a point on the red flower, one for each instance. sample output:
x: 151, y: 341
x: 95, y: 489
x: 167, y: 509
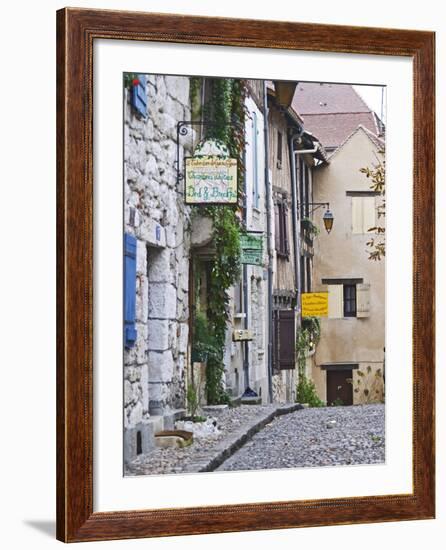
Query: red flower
x: 135, y: 81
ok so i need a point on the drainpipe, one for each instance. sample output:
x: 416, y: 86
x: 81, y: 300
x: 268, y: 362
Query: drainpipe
x: 296, y: 230
x: 268, y: 197
x: 296, y: 214
x: 248, y: 392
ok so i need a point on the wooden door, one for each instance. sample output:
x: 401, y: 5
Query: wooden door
x: 339, y: 391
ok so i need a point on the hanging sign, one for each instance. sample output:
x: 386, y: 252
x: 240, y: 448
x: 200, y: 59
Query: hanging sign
x: 315, y: 304
x: 211, y: 180
x: 251, y: 248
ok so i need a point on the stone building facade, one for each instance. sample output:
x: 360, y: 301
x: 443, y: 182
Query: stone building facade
x: 155, y: 214
x: 171, y: 239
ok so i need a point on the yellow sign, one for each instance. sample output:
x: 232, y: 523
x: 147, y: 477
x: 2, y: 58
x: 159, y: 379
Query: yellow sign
x: 315, y: 304
x: 211, y: 180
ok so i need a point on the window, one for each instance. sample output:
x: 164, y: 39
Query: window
x: 281, y: 227
x: 238, y: 298
x: 279, y: 149
x: 255, y: 160
x: 349, y: 300
x: 363, y: 212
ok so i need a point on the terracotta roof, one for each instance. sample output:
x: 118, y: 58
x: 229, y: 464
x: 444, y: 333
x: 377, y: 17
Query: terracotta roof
x: 333, y: 129
x: 314, y: 98
x: 378, y: 141
x: 333, y: 111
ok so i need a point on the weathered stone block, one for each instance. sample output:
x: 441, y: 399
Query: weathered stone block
x: 148, y: 131
x: 173, y: 337
x: 151, y: 167
x: 162, y: 301
x: 178, y: 87
x: 175, y: 108
x: 160, y: 366
x: 152, y: 233
x: 158, y: 335
x: 141, y: 343
x: 141, y: 257
x: 183, y: 338
x: 132, y: 373
x: 201, y: 231
x: 145, y: 388
x: 128, y: 393
x: 142, y: 305
x: 135, y: 415
x: 159, y: 266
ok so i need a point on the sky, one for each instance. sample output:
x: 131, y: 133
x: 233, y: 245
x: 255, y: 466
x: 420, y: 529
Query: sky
x: 372, y: 96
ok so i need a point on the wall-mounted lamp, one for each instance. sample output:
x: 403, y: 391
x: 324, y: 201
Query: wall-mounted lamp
x: 327, y: 218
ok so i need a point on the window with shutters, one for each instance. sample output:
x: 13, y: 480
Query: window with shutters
x: 284, y: 326
x: 138, y: 97
x: 281, y: 227
x: 363, y: 213
x: 348, y: 300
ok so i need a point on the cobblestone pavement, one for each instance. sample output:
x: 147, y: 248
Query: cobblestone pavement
x: 230, y: 423
x: 316, y: 437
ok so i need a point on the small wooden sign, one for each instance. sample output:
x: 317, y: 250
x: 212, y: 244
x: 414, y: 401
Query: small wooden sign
x: 251, y: 248
x: 211, y: 180
x: 242, y: 335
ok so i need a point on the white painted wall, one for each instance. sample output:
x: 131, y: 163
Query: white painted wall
x: 28, y: 214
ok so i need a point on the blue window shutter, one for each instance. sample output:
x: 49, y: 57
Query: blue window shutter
x: 129, y: 290
x: 139, y: 95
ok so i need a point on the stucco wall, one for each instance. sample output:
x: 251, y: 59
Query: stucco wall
x: 342, y: 254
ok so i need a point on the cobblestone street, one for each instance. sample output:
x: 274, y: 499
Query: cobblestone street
x: 232, y: 424
x: 249, y: 438
x: 316, y: 437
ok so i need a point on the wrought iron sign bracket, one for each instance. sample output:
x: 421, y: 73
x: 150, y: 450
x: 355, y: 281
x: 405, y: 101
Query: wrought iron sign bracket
x: 183, y: 129
x: 316, y: 205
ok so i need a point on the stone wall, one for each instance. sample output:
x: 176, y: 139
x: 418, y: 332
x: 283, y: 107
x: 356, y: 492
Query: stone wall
x: 154, y: 369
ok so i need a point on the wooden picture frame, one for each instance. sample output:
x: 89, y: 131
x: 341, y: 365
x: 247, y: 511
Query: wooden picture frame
x: 77, y: 29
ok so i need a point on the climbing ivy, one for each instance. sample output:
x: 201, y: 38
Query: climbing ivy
x: 226, y: 109
x: 307, y: 338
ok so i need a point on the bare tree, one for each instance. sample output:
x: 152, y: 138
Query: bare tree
x: 376, y: 246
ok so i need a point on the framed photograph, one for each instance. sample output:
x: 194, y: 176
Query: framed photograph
x: 245, y: 275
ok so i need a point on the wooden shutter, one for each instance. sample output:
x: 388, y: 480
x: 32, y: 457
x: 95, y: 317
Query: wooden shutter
x: 363, y: 300
x: 277, y: 226
x: 368, y: 213
x: 286, y: 242
x: 285, y: 339
x: 335, y: 301
x: 139, y: 96
x: 363, y: 214
x: 129, y: 290
x: 357, y: 215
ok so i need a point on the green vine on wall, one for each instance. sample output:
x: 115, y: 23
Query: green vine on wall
x: 226, y: 108
x: 307, y: 338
